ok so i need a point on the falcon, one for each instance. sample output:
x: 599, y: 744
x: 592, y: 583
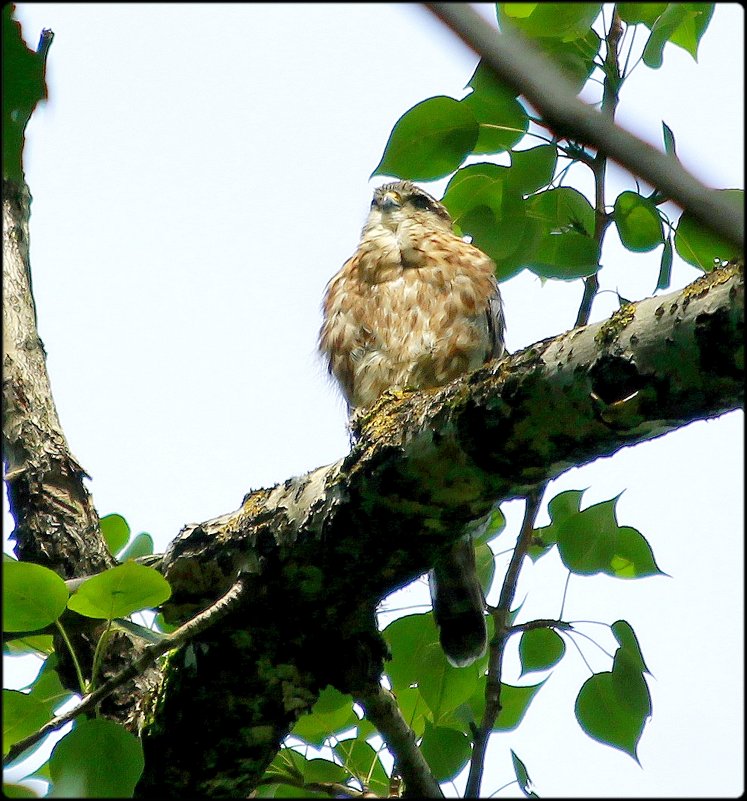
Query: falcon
x: 416, y: 307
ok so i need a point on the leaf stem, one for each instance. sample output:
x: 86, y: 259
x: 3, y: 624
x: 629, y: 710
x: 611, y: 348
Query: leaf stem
x: 98, y: 655
x: 78, y: 671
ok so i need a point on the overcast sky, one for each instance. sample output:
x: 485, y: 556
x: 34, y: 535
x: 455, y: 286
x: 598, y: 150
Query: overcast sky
x: 198, y: 175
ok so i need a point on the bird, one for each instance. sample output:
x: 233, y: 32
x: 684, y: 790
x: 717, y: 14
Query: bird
x: 415, y: 307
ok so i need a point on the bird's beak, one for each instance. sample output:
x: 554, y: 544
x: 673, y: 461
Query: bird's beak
x: 390, y: 201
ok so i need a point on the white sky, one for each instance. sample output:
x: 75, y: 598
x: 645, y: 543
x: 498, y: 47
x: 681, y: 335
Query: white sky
x: 198, y: 175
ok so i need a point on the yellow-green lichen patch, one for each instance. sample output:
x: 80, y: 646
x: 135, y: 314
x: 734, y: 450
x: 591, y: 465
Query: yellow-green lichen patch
x: 702, y: 285
x: 612, y: 328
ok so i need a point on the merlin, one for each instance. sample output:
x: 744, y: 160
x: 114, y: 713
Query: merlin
x: 416, y: 307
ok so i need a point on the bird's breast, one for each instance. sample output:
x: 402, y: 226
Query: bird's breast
x: 404, y: 322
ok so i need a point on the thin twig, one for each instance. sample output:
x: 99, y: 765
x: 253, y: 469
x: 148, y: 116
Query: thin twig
x: 190, y: 629
x: 498, y: 645
x: 541, y: 624
x: 517, y: 63
x: 382, y: 710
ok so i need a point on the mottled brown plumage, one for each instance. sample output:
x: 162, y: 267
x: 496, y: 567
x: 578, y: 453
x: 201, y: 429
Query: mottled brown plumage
x: 415, y: 307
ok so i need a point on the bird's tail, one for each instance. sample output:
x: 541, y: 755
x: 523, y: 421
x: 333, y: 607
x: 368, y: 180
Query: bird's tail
x: 458, y: 605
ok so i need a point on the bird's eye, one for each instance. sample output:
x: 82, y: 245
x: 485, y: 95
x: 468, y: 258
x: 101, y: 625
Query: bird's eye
x: 421, y: 202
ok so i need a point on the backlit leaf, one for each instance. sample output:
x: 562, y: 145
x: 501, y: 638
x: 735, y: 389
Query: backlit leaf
x: 33, y: 596
x: 97, y: 759
x: 119, y: 591
x: 430, y: 140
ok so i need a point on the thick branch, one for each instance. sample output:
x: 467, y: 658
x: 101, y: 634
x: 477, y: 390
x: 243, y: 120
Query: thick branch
x: 56, y: 523
x: 518, y: 63
x: 424, y: 465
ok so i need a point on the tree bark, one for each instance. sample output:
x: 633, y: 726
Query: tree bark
x: 322, y: 549
x: 56, y: 523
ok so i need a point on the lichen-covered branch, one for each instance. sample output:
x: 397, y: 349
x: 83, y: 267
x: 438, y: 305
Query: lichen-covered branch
x: 56, y: 524
x: 320, y: 550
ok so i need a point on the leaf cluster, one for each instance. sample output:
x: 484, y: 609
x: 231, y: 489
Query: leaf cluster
x: 97, y: 757
x: 521, y: 213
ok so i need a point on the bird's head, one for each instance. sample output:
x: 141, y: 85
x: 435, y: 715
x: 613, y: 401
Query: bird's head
x: 402, y: 201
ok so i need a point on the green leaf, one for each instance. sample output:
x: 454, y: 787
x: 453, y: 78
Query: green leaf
x: 591, y: 541
x: 585, y: 541
x: 22, y: 716
x: 540, y: 649
x: 665, y: 267
x: 47, y: 687
x: 484, y: 80
x: 635, y: 13
x: 565, y: 256
x: 698, y: 246
x: 566, y: 248
x: 33, y: 596
x: 322, y: 770
x: 575, y: 59
x: 331, y: 714
x: 119, y: 591
x: 142, y: 545
x: 286, y: 764
x: 601, y: 715
x: 18, y: 791
x: 563, y: 209
x: 442, y: 686
x: 562, y: 31
x: 363, y: 762
x: 115, y: 531
x: 98, y: 758
x: 485, y: 561
x: 633, y: 557
x: 532, y: 169
x: 484, y: 206
x: 413, y: 708
x: 561, y: 507
x: 669, y: 144
x: 36, y: 644
x: 410, y: 639
x: 613, y: 707
x: 682, y: 24
x: 514, y: 704
x: 522, y: 776
x: 488, y: 527
x: 445, y: 750
x: 638, y: 222
x: 628, y: 642
x: 690, y: 32
x: 473, y: 186
x: 23, y: 87
x: 503, y: 120
x: 430, y: 140
x: 565, y: 21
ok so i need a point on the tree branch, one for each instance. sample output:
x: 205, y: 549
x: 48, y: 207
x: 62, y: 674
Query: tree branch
x: 177, y: 638
x: 517, y: 62
x: 498, y: 645
x: 423, y: 466
x: 382, y: 710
